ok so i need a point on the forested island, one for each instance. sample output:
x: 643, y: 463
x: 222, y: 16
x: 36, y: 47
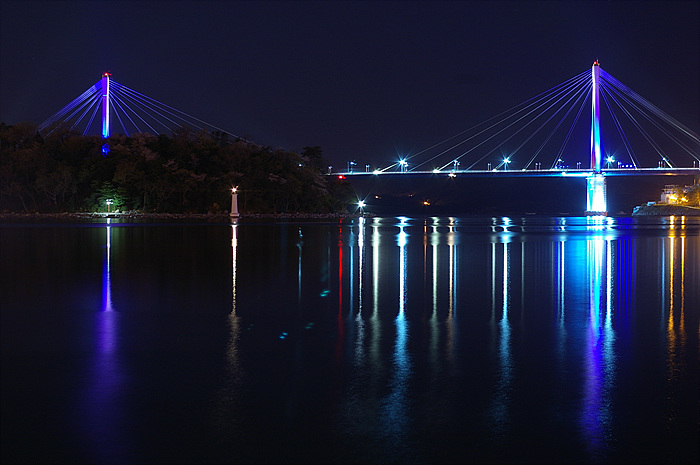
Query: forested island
x: 186, y: 172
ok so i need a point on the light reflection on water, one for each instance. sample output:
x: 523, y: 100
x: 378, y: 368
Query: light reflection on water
x: 381, y: 340
x: 594, y: 255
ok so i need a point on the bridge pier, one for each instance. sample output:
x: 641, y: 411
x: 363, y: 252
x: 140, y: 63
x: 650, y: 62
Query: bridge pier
x: 596, y: 202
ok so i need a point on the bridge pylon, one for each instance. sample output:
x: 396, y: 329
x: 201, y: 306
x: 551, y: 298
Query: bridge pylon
x: 596, y: 203
x: 105, y: 113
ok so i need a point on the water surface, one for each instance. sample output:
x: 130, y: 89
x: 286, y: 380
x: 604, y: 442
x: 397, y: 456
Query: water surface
x: 413, y: 340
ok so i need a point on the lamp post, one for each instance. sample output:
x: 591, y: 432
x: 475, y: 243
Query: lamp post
x: 403, y: 164
x: 109, y: 203
x: 234, y: 203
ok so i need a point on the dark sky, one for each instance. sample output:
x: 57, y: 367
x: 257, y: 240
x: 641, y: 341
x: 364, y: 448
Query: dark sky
x: 364, y: 80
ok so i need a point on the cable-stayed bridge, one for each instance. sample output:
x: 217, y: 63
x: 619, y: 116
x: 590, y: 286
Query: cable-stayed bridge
x: 550, y: 135
x: 123, y: 108
x: 546, y: 136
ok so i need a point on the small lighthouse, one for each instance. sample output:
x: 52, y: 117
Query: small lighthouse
x: 234, y: 203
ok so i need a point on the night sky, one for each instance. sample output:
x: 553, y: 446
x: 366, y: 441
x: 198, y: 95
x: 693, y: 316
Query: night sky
x: 364, y: 80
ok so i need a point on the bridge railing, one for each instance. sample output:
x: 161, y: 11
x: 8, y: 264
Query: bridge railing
x: 545, y: 172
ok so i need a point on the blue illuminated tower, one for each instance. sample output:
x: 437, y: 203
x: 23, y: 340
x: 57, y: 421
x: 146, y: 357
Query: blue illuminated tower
x: 596, y: 203
x: 105, y: 112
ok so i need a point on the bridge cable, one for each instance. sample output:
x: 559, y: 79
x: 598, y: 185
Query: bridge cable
x: 524, y: 106
x: 137, y: 115
x: 551, y: 104
x: 73, y: 108
x: 618, y: 125
x: 145, y: 105
x: 643, y: 131
x: 147, y: 110
x: 117, y: 101
x: 582, y: 95
x: 651, y: 107
x: 114, y: 106
x: 51, y: 119
x: 659, y: 114
x: 87, y: 108
x: 544, y: 98
x: 92, y: 118
x: 561, y: 120
x: 143, y: 97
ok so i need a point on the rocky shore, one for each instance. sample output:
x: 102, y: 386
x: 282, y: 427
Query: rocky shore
x: 665, y: 210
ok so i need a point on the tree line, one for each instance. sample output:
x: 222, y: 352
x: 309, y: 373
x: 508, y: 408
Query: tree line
x: 186, y: 172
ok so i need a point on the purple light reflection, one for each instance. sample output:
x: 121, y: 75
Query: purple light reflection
x: 100, y: 405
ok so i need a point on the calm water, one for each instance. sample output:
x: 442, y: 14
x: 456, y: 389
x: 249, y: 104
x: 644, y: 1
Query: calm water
x: 364, y: 340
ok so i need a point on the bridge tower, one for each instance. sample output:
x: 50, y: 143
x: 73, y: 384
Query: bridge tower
x: 105, y: 112
x: 105, y: 105
x: 596, y: 203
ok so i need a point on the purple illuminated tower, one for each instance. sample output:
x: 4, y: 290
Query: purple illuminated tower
x: 595, y: 119
x: 105, y: 113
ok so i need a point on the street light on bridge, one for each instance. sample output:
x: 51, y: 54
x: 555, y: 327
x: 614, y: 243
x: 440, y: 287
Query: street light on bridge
x: 403, y: 163
x: 506, y: 162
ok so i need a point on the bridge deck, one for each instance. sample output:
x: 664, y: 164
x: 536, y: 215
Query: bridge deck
x: 531, y: 173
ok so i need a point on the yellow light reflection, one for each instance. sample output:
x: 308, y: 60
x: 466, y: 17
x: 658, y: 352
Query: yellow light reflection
x: 234, y: 249
x: 228, y: 398
x: 300, y: 246
x: 676, y: 337
x: 233, y: 319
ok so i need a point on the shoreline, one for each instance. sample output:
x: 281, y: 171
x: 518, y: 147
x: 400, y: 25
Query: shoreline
x: 665, y: 210
x: 176, y: 216
x: 641, y: 210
